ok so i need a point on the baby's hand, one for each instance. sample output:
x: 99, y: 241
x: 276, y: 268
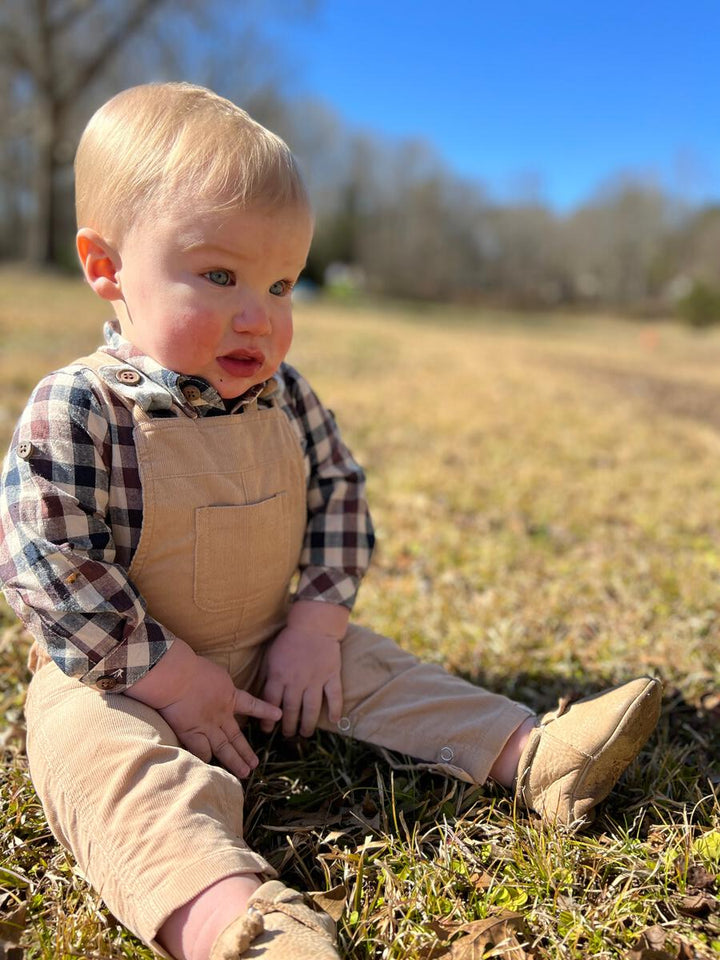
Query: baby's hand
x: 200, y: 702
x: 303, y: 666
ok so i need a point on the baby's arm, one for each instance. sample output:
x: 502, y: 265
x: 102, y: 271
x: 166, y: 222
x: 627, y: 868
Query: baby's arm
x: 65, y: 549
x: 303, y: 662
x: 303, y: 666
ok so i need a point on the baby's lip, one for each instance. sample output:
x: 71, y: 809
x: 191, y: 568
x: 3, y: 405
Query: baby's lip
x: 257, y: 355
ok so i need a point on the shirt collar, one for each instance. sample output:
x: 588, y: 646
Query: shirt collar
x: 189, y: 391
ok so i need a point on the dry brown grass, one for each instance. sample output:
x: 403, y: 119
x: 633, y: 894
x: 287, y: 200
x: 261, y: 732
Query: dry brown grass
x: 546, y: 496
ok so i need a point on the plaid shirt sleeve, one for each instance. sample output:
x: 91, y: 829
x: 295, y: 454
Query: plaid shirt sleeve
x: 339, y: 538
x: 61, y: 570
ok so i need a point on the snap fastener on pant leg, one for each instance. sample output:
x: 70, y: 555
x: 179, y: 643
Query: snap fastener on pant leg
x: 344, y: 724
x: 447, y: 754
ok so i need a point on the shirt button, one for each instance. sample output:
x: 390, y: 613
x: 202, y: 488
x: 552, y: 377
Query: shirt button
x: 191, y: 393
x: 106, y: 683
x: 446, y: 754
x: 128, y: 376
x: 25, y: 450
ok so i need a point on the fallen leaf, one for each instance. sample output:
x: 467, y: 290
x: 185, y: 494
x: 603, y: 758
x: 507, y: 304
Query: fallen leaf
x: 12, y: 925
x: 700, y: 878
x: 482, y: 880
x: 505, y: 932
x: 331, y: 901
x: 653, y: 937
x: 651, y: 946
x: 696, y: 905
x: 435, y: 951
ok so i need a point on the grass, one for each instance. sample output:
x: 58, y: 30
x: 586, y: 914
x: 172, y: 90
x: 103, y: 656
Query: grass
x: 546, y: 497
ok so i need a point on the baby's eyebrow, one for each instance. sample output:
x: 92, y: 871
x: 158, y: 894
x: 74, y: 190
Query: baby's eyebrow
x: 192, y: 244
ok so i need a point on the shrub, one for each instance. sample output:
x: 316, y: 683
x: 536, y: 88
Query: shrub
x: 701, y: 306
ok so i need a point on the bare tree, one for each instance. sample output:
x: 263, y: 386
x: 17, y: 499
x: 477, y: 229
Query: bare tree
x: 60, y: 58
x: 51, y: 71
x: 616, y: 239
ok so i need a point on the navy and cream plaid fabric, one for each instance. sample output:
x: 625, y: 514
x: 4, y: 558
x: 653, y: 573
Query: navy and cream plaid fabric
x: 71, y: 511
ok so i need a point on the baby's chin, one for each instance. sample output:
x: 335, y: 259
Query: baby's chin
x: 231, y: 389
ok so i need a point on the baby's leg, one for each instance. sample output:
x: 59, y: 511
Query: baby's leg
x: 150, y: 825
x: 563, y: 764
x: 394, y: 700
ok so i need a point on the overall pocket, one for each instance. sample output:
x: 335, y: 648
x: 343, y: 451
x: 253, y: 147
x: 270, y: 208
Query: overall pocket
x: 242, y: 554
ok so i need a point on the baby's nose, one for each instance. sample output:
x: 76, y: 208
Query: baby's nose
x: 251, y: 317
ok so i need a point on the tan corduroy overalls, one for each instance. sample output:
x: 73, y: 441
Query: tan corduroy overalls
x: 224, y: 516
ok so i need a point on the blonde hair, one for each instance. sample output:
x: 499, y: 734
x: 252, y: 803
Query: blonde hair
x: 163, y: 144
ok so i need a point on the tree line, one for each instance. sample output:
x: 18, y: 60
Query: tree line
x: 400, y: 221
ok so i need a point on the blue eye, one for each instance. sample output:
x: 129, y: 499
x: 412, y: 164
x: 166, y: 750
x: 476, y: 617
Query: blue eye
x: 280, y: 288
x: 223, y: 278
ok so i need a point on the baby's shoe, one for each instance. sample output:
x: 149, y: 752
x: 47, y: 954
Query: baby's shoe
x: 279, y: 925
x: 576, y: 754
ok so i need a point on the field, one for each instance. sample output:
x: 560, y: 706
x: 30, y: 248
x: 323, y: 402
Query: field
x: 546, y: 495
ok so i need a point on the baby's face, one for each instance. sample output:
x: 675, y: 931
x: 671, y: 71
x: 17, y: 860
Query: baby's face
x: 209, y: 294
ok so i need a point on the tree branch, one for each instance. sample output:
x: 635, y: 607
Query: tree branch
x: 115, y: 39
x: 76, y: 10
x: 12, y: 49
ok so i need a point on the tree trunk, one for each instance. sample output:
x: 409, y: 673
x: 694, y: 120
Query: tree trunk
x: 41, y: 236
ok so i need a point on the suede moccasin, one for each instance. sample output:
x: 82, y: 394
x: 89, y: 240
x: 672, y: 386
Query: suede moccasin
x: 279, y: 925
x: 576, y: 754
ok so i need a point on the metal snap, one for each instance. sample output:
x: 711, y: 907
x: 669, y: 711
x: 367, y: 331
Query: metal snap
x: 344, y: 724
x: 447, y: 754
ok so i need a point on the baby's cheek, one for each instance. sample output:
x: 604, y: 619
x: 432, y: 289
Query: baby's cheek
x: 197, y: 334
x: 283, y: 331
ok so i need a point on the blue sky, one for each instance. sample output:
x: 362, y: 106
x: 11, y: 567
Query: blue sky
x: 550, y: 96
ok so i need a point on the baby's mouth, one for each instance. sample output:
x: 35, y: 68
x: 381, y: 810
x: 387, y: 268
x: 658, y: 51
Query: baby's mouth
x: 242, y: 363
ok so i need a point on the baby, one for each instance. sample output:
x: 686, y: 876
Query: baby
x: 159, y: 499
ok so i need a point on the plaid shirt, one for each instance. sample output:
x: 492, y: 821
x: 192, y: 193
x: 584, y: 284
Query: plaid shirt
x: 71, y: 510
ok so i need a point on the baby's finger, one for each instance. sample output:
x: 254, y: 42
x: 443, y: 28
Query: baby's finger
x: 290, y: 713
x: 334, y: 697
x: 312, y: 703
x: 234, y: 752
x: 273, y: 693
x: 249, y: 706
x: 197, y: 744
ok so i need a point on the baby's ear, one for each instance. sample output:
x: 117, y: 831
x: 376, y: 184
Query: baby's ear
x: 100, y: 263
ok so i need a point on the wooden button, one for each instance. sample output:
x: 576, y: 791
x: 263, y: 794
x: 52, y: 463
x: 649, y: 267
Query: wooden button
x: 191, y: 393
x: 25, y: 450
x: 128, y: 377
